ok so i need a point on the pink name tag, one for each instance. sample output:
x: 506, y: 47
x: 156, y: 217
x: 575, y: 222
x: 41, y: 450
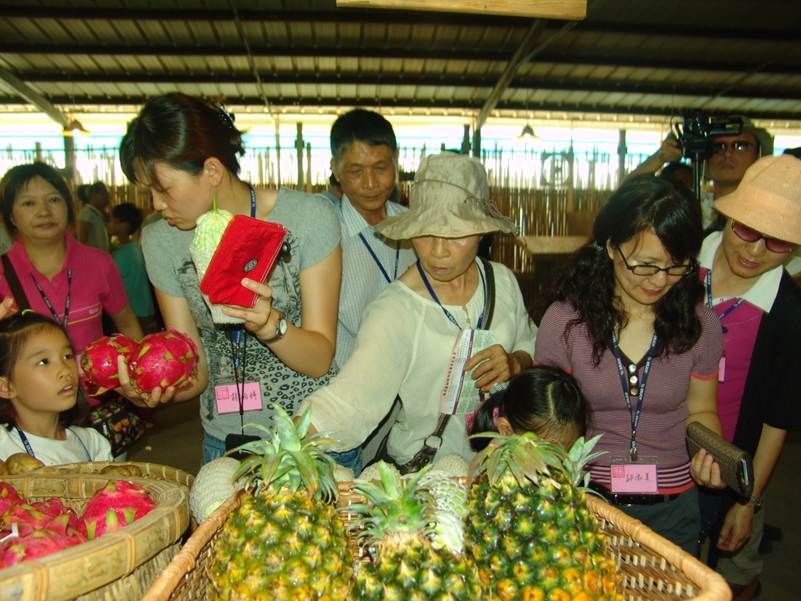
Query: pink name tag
x: 227, y: 397
x: 637, y: 478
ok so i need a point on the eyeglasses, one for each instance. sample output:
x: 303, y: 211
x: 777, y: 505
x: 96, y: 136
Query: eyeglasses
x: 746, y: 234
x: 736, y: 146
x: 647, y: 269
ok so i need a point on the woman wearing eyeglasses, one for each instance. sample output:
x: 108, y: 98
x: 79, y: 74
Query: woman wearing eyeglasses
x: 759, y: 307
x: 631, y: 327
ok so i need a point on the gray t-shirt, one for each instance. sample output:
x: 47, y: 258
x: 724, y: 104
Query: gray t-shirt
x: 313, y: 235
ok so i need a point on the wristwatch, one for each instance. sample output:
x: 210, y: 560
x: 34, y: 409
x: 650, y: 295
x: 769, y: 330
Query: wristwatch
x: 280, y: 330
x: 756, y: 502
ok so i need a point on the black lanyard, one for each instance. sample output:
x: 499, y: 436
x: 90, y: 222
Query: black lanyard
x: 727, y: 312
x: 49, y: 305
x: 239, y: 345
x: 378, y: 262
x: 28, y: 449
x: 447, y: 313
x: 627, y: 383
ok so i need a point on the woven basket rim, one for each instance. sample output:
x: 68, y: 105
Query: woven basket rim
x: 94, y: 467
x: 161, y: 527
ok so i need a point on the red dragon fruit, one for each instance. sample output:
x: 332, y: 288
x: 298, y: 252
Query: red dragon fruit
x: 115, y: 506
x: 33, y: 545
x: 164, y: 359
x: 99, y: 361
x: 10, y: 493
x: 27, y: 517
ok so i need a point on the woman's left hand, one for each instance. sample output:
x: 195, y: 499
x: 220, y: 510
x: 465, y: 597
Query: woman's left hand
x: 256, y: 317
x: 493, y: 365
x: 706, y: 471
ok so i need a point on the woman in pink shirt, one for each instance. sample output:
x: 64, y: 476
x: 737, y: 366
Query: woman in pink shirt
x: 58, y: 276
x: 630, y: 326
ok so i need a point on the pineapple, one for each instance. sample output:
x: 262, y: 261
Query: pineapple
x: 529, y: 530
x: 286, y: 540
x: 407, y: 566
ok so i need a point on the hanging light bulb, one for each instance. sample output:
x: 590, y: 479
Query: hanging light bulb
x: 528, y: 133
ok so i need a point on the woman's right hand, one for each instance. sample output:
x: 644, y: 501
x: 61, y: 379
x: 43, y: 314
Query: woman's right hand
x: 156, y: 397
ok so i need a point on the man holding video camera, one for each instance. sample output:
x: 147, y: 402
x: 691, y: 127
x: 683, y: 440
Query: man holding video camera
x: 730, y: 157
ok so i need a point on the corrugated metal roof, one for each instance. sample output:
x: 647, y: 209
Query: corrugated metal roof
x: 639, y: 56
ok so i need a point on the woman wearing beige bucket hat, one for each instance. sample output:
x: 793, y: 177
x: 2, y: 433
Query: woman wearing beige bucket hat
x: 405, y: 344
x: 759, y: 308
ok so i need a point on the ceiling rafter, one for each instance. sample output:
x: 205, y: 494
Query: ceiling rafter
x: 291, y: 103
x: 519, y: 83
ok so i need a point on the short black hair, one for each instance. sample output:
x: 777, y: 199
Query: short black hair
x: 18, y: 177
x: 129, y: 213
x: 362, y: 125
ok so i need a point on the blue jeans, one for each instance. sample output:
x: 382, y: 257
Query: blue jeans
x: 214, y: 448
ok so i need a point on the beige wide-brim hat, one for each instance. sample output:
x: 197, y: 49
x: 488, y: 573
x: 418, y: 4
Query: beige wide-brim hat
x: 449, y: 199
x: 768, y: 198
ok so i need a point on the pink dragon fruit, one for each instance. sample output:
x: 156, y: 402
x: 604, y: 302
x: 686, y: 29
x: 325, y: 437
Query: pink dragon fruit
x: 115, y: 506
x: 164, y: 359
x: 99, y: 361
x: 27, y: 517
x: 10, y: 493
x: 33, y: 545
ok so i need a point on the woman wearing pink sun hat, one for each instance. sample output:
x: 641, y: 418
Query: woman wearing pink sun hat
x: 759, y: 307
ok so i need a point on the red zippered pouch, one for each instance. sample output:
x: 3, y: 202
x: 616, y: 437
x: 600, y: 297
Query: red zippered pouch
x: 248, y: 248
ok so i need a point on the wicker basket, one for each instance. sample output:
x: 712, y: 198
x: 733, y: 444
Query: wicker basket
x: 651, y: 567
x: 119, y: 566
x: 150, y: 471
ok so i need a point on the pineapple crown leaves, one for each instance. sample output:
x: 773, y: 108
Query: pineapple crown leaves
x: 579, y: 455
x: 289, y: 458
x: 394, y: 505
x: 526, y: 456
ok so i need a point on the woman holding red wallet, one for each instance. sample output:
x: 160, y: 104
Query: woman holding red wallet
x: 186, y: 151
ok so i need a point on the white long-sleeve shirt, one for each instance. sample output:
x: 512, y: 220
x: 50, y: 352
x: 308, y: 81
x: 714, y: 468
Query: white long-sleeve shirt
x: 403, y: 348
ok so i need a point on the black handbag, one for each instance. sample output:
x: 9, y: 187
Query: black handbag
x: 433, y: 441
x: 13, y: 283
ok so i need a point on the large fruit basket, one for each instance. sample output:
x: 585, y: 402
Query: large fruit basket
x: 651, y: 567
x: 148, y: 471
x: 118, y: 566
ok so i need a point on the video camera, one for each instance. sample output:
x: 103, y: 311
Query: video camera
x: 696, y: 132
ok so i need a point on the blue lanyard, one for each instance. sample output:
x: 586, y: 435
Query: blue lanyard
x: 236, y: 335
x: 627, y: 382
x: 239, y: 343
x: 49, y: 305
x: 447, y: 313
x: 727, y: 312
x: 378, y: 262
x: 28, y: 449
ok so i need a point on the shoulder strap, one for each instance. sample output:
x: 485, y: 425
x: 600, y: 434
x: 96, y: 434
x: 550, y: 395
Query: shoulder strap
x: 13, y: 283
x: 490, y: 277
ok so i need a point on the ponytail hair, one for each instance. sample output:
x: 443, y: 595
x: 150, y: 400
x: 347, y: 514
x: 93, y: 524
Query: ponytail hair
x: 543, y: 400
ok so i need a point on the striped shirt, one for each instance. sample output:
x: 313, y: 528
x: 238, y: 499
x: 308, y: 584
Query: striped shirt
x: 662, y: 429
x: 362, y: 279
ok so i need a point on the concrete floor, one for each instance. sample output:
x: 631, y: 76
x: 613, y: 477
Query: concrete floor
x: 175, y: 440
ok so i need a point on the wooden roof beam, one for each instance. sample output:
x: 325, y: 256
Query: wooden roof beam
x: 33, y: 97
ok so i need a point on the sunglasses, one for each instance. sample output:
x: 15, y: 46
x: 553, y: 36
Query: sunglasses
x: 646, y: 269
x: 746, y: 234
x: 735, y: 147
